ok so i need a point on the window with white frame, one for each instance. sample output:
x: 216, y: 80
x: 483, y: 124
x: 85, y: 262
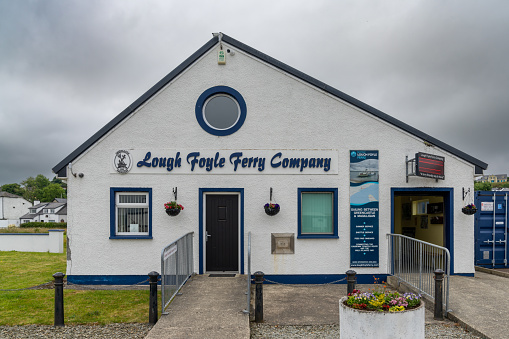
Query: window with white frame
x: 131, y: 208
x: 318, y: 213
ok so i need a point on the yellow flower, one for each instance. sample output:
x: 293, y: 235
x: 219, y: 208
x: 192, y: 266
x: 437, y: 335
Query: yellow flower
x: 379, y: 301
x: 396, y: 309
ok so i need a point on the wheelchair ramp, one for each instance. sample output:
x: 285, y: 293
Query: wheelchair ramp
x: 209, y: 307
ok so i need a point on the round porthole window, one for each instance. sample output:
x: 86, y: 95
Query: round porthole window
x: 220, y: 110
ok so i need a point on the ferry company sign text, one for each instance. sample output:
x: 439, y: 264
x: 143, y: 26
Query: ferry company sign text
x: 226, y: 161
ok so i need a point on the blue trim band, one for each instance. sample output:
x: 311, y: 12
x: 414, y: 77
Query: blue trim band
x: 220, y: 90
x: 107, y: 279
x: 201, y: 230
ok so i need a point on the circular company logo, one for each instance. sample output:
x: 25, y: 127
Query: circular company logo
x: 122, y: 161
x: 353, y: 154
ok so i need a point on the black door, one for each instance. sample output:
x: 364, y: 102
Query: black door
x: 222, y: 233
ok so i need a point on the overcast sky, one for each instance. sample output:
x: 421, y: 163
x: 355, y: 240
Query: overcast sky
x: 69, y: 67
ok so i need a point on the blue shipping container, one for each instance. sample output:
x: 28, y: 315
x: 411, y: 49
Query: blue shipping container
x: 491, y: 228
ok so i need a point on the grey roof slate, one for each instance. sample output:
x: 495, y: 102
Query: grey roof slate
x: 61, y: 168
x: 8, y: 195
x: 29, y: 216
x: 63, y: 211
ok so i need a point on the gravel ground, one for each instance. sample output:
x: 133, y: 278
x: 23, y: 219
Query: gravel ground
x: 75, y: 331
x: 448, y: 330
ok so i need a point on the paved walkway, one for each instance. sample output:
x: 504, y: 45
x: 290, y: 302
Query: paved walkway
x: 212, y: 307
x: 208, y: 308
x: 481, y: 303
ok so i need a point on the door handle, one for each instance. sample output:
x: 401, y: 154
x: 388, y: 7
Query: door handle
x: 207, y: 236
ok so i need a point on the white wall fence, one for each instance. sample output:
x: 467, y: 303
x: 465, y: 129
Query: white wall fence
x: 6, y: 223
x: 52, y: 242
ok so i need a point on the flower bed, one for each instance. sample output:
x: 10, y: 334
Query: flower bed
x: 381, y: 315
x: 382, y: 301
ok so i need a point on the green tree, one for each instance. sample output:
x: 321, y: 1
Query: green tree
x: 60, y: 182
x: 33, y: 187
x: 13, y: 189
x: 52, y: 191
x: 482, y: 186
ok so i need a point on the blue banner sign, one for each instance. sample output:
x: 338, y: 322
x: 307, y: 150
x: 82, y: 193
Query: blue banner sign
x: 364, y: 224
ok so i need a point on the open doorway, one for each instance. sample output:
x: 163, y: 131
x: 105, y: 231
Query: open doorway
x: 420, y: 217
x: 424, y: 214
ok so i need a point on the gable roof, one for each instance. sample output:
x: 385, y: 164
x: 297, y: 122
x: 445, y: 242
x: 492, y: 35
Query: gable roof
x: 4, y: 194
x: 61, y: 168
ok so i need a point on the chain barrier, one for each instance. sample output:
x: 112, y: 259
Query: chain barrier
x: 28, y: 288
x: 303, y: 285
x: 49, y: 285
x: 109, y: 287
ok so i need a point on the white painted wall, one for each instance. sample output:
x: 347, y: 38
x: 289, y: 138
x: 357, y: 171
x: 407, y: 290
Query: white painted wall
x: 52, y: 242
x: 13, y: 208
x: 282, y: 113
x: 6, y: 223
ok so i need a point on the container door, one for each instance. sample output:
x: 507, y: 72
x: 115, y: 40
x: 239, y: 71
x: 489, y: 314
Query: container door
x: 491, y: 229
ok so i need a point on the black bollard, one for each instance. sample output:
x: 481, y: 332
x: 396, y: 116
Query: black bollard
x: 259, y: 296
x: 439, y: 279
x: 152, y: 311
x: 59, y: 298
x: 350, y: 279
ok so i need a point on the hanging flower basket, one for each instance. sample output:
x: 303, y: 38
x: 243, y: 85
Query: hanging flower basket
x: 172, y: 208
x: 469, y: 209
x: 272, y: 209
x: 172, y: 211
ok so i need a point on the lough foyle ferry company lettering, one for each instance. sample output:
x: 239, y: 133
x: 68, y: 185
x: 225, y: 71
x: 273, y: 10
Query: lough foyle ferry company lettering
x: 236, y: 160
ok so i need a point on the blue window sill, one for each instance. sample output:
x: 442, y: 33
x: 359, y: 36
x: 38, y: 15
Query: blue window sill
x: 317, y: 236
x: 131, y: 237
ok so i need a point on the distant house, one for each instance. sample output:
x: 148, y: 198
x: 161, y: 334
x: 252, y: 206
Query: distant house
x: 55, y: 211
x: 12, y: 207
x: 493, y: 178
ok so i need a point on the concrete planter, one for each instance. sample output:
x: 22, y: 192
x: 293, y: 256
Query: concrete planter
x: 354, y: 323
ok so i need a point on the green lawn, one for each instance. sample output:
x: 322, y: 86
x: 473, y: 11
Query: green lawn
x: 26, y: 269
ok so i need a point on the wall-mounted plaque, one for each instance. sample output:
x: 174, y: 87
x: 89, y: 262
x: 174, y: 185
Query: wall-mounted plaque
x: 282, y: 243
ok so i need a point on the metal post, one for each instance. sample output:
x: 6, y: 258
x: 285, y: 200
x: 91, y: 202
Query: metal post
x: 59, y: 298
x: 439, y: 278
x: 350, y: 279
x: 152, y: 311
x: 259, y: 296
x: 420, y: 267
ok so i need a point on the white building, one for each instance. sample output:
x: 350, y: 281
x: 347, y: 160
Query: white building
x: 46, y: 212
x: 228, y: 126
x: 12, y: 207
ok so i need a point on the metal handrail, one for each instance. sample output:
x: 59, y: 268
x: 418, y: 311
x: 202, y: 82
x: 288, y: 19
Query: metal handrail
x: 414, y: 262
x: 177, y: 266
x: 248, y: 292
